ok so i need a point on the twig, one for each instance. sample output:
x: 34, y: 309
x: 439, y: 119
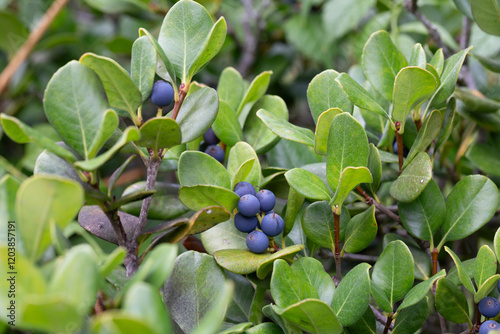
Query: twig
x: 349, y: 256
x: 370, y: 200
x: 117, y: 225
x: 388, y: 324
x: 411, y: 6
x: 177, y: 106
x: 30, y: 43
x: 379, y: 317
x: 338, y: 259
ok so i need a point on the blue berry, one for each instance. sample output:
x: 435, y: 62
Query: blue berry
x: 210, y: 137
x: 245, y: 224
x: 216, y: 152
x: 257, y: 242
x: 162, y: 94
x: 267, y: 200
x: 203, y: 146
x: 244, y: 188
x: 489, y: 325
x: 489, y: 307
x: 272, y: 224
x: 248, y: 205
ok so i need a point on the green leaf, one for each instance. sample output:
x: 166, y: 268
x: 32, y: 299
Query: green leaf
x: 487, y: 15
x: 312, y: 270
x: 311, y: 315
x: 393, y: 272
x: 223, y: 236
x: 412, y: 86
x: 318, y: 224
x: 293, y: 206
x: 324, y: 93
x: 347, y: 147
x: 160, y: 132
x: 144, y: 302
x: 238, y: 155
x: 437, y: 61
x: 264, y: 328
x: 200, y: 196
x: 242, y: 172
x: 143, y: 65
x: 120, y: 89
x: 119, y: 323
x: 286, y: 130
x: 212, y: 45
x: 375, y: 167
x: 423, y: 216
x: 470, y: 205
x: 112, y: 260
x: 491, y: 64
x: 426, y: 135
x: 359, y: 96
x: 231, y: 87
x: 349, y: 179
x: 486, y: 265
x: 464, y: 278
x: 287, y: 254
x: 184, y: 35
x: 192, y: 289
x: 69, y: 283
x: 94, y: 220
x: 381, y: 62
x: 21, y: 133
x: 496, y: 243
x: 107, y: 128
x: 485, y: 289
x: 256, y: 132
x: 449, y: 78
x: 241, y: 308
x: 366, y: 324
x: 8, y: 190
x: 286, y: 326
x: 415, y: 177
x: 130, y: 134
x: 197, y: 113
x: 417, y: 57
x: 448, y: 118
x: 411, y: 319
x: 360, y: 231
x: 339, y: 17
x: 75, y: 106
x: 323, y: 129
x: 475, y: 103
x: 255, y: 91
x: 379, y: 296
x: 44, y: 195
x: 419, y: 291
x: 485, y: 157
x: 53, y: 314
x: 451, y: 302
x: 307, y: 184
x: 164, y: 67
x: 200, y: 168
x: 226, y: 125
x: 213, y: 319
x: 352, y: 296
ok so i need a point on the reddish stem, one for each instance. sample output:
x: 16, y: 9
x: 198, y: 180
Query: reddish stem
x: 338, y: 260
x: 399, y: 139
x: 178, y: 104
x: 434, y: 261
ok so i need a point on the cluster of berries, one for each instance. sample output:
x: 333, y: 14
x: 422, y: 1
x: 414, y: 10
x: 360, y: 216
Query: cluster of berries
x: 210, y: 147
x: 489, y: 307
x: 251, y: 207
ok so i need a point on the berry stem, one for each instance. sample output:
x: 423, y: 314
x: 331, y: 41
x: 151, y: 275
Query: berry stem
x: 399, y: 139
x: 338, y: 259
x: 178, y: 103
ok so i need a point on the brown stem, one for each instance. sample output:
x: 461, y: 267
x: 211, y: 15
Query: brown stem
x: 178, y: 104
x: 117, y: 226
x: 379, y: 317
x: 434, y: 261
x: 418, y: 124
x: 478, y: 317
x: 30, y: 43
x: 370, y: 200
x: 338, y: 260
x: 399, y: 139
x: 388, y: 324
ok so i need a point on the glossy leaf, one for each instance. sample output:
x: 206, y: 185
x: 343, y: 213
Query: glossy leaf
x: 381, y: 62
x: 417, y: 57
x: 223, y: 236
x: 451, y: 302
x: 287, y: 254
x: 44, y: 194
x: 213, y: 319
x: 8, y: 190
x: 393, y: 272
x: 325, y: 93
x: 423, y: 216
x: 470, y: 205
x: 323, y: 129
x: 197, y: 113
x: 286, y: 130
x: 420, y: 291
x: 200, y: 168
x: 352, y: 295
x: 375, y: 167
x: 380, y: 297
x: 200, y: 196
x: 238, y: 155
x: 484, y: 157
x: 119, y: 323
x: 255, y: 91
x: 485, y: 288
x: 293, y: 206
x: 426, y: 135
x: 117, y: 173
x: 415, y: 177
x: 366, y: 324
x: 120, y: 89
x: 95, y: 221
x: 49, y: 314
x: 359, y: 96
x: 360, y: 231
x: 312, y: 269
x: 159, y: 133
x: 143, y: 65
x: 462, y: 274
x: 475, y: 102
x: 486, y: 13
x: 347, y: 147
x: 437, y: 61
x: 226, y: 125
x: 486, y: 265
x: 231, y: 87
x: 496, y: 244
x: 307, y: 184
x: 412, y: 318
x: 349, y: 179
x: 448, y: 118
x: 412, y: 86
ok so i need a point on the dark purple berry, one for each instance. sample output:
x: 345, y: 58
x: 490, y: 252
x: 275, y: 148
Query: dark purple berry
x: 248, y: 205
x: 210, y: 137
x: 162, y: 94
x: 267, y: 200
x: 216, y: 152
x: 245, y: 224
x: 272, y: 224
x: 488, y: 326
x: 489, y: 307
x: 257, y: 242
x: 244, y: 188
x: 203, y: 146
